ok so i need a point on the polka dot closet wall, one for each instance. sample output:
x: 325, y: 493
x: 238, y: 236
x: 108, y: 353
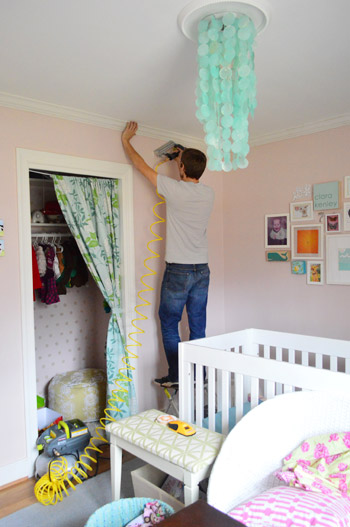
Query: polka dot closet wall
x: 69, y: 335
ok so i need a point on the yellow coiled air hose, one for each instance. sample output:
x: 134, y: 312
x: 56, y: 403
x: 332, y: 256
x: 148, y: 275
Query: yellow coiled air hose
x: 49, y: 488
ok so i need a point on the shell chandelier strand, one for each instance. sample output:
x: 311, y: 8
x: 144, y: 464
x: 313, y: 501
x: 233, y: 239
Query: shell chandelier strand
x: 226, y: 88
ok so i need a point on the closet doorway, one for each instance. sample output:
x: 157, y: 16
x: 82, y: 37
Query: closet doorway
x: 30, y: 160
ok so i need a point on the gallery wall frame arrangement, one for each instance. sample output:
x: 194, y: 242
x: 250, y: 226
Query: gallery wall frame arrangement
x: 338, y: 259
x: 277, y: 231
x: 307, y: 241
x: 301, y: 211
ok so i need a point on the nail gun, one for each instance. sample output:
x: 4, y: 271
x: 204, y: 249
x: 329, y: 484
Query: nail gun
x: 169, y: 150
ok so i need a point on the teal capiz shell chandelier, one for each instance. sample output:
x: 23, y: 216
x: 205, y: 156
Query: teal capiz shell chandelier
x: 226, y: 85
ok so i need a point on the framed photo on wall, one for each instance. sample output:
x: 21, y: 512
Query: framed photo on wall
x: 347, y: 187
x: 346, y: 216
x: 332, y: 222
x: 301, y: 211
x: 338, y: 259
x: 307, y: 242
x: 315, y: 272
x: 277, y: 231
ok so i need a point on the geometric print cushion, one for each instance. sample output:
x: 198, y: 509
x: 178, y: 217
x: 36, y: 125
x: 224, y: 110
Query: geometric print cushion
x: 193, y: 453
x: 292, y: 507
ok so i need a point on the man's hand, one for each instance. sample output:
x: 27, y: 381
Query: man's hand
x: 129, y: 131
x: 138, y: 162
x: 178, y: 157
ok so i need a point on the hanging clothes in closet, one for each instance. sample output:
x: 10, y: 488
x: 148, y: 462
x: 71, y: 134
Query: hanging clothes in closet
x: 58, y: 267
x: 37, y: 284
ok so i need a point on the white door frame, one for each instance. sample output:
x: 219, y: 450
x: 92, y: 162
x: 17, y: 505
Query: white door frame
x: 32, y: 159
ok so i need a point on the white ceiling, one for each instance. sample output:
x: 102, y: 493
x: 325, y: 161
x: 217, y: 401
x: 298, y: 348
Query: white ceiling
x: 128, y: 60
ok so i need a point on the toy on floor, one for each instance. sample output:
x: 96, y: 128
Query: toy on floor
x: 152, y: 515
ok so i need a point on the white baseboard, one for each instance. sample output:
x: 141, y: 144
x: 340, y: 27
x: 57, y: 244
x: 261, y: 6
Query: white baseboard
x: 14, y: 472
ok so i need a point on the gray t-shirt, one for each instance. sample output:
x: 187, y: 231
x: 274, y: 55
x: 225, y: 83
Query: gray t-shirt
x: 188, y: 209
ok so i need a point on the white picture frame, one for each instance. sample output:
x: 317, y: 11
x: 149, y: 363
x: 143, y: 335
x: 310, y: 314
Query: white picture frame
x: 346, y: 186
x: 270, y: 222
x: 304, y: 237
x: 346, y: 216
x: 332, y: 222
x: 301, y: 211
x: 338, y: 259
x: 315, y: 272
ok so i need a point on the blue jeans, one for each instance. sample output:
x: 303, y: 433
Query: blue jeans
x: 183, y: 285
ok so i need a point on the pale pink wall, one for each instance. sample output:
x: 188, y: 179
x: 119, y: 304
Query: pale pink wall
x: 38, y: 132
x: 265, y: 294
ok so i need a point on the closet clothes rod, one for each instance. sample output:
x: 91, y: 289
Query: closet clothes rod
x: 58, y: 173
x: 42, y: 173
x: 52, y: 235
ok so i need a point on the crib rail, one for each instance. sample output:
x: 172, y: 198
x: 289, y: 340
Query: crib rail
x: 239, y: 376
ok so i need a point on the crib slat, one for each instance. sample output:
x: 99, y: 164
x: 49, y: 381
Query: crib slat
x: 291, y: 360
x: 270, y: 389
x: 185, y: 409
x: 211, y: 398
x: 347, y: 365
x: 254, y: 392
x: 266, y: 355
x: 319, y: 360
x: 304, y: 358
x: 238, y: 396
x: 192, y: 393
x: 278, y: 353
x: 224, y: 402
x: 334, y: 363
x: 199, y: 395
x: 279, y: 389
x: 219, y: 389
x: 291, y: 356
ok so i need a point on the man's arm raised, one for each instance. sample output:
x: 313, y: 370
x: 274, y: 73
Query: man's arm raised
x: 135, y: 158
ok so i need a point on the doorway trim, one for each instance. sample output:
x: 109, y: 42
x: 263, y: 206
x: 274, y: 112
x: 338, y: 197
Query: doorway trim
x: 44, y: 161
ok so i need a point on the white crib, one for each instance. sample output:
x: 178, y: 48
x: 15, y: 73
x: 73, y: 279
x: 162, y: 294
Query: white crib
x: 221, y: 378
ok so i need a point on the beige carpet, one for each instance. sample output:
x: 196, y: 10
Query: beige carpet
x: 75, y: 509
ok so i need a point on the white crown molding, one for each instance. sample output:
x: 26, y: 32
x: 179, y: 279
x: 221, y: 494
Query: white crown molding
x: 72, y: 114
x: 305, y: 129
x: 17, y: 102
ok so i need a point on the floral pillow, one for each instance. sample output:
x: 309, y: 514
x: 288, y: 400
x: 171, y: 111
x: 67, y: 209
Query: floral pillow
x: 321, y: 463
x: 292, y: 507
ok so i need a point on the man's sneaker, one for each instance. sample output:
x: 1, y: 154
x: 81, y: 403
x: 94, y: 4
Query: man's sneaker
x: 166, y: 382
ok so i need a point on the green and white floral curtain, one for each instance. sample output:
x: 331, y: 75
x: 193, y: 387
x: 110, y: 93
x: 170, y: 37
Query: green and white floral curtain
x: 91, y: 209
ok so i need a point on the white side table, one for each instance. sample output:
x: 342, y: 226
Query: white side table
x: 188, y: 459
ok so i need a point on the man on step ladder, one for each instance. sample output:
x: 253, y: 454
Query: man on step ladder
x: 186, y: 278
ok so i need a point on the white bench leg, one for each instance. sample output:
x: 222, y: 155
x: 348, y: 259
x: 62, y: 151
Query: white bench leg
x: 116, y: 471
x: 191, y: 494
